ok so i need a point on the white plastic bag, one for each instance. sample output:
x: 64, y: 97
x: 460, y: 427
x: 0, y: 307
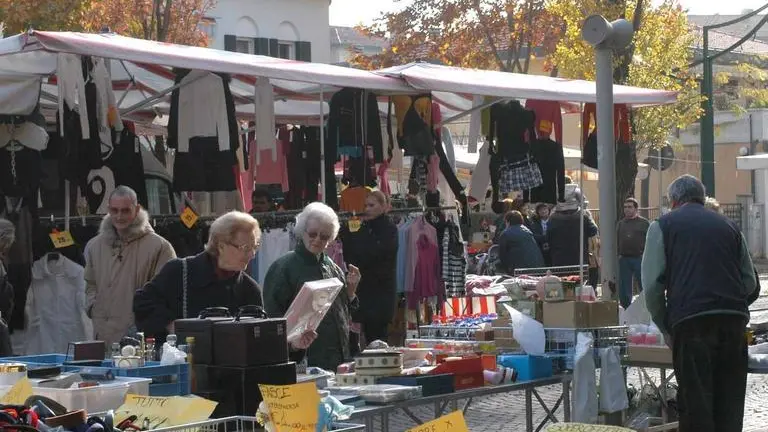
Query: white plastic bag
x: 584, y: 394
x: 636, y: 313
x: 528, y: 332
x: 613, y: 391
x: 172, y: 355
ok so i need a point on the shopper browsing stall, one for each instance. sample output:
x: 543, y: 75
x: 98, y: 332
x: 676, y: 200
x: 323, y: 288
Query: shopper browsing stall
x: 316, y: 226
x: 373, y: 249
x: 121, y: 258
x: 517, y: 245
x: 214, y: 277
x: 698, y: 288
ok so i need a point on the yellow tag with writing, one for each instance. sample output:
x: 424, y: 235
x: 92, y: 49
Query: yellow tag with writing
x: 188, y: 217
x: 17, y: 394
x: 354, y: 224
x: 453, y: 422
x: 292, y: 408
x: 61, y: 239
x: 158, y: 412
x: 545, y: 127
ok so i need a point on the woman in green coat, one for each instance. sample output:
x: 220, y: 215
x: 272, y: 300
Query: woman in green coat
x: 316, y: 226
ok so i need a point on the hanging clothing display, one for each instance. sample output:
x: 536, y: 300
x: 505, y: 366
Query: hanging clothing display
x: 268, y: 171
x: 353, y: 199
x: 454, y: 261
x: 27, y: 134
x: 519, y: 176
x: 22, y: 212
x: 303, y: 162
x: 512, y: 126
x: 203, y: 129
x: 549, y: 156
x: 51, y: 198
x: 274, y: 244
x: 481, y: 175
x: 70, y: 79
x: 548, y: 118
x: 264, y: 103
x: 107, y: 112
x: 621, y: 130
x: 25, y: 90
x: 417, y: 181
x: 56, y: 306
x: 415, y: 135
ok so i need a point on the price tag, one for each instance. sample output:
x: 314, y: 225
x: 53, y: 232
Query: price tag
x: 354, y: 224
x: 61, y: 239
x: 18, y: 393
x: 453, y: 422
x: 160, y: 412
x: 292, y: 408
x: 545, y: 127
x: 188, y: 217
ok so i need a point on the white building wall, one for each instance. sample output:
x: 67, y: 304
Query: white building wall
x: 286, y: 20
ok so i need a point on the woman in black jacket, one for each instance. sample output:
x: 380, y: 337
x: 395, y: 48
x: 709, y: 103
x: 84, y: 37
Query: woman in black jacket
x: 215, y: 277
x: 373, y: 249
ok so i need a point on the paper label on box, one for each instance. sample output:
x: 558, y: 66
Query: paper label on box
x: 292, y: 408
x: 160, y: 412
x: 453, y: 422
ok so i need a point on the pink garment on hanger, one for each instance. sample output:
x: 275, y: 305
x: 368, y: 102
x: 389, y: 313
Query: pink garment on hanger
x: 270, y: 171
x: 384, y: 178
x: 433, y: 173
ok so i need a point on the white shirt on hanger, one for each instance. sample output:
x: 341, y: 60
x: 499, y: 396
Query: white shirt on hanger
x: 274, y: 244
x: 27, y: 134
x: 264, y: 103
x: 56, y: 306
x: 71, y: 86
x: 106, y: 104
x: 202, y: 110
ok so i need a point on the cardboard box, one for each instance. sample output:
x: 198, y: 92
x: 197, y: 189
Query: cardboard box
x: 574, y: 314
x: 651, y: 354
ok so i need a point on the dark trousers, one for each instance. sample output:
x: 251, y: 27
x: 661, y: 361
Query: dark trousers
x: 710, y: 360
x: 629, y: 270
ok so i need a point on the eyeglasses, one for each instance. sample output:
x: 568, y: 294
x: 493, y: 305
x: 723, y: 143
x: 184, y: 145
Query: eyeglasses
x: 323, y: 237
x: 247, y: 248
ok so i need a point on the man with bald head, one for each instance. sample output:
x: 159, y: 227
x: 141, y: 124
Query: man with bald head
x: 119, y: 260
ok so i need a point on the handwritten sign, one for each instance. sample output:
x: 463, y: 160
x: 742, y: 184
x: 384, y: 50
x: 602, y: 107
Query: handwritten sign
x: 17, y: 394
x: 292, y: 408
x: 61, y: 239
x: 188, y: 217
x: 157, y: 412
x: 354, y: 224
x: 453, y: 422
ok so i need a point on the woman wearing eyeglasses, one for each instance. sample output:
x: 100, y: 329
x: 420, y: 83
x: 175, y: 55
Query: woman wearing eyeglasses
x: 212, y: 278
x: 316, y: 226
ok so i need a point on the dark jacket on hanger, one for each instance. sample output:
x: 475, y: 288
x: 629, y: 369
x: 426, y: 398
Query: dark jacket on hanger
x: 512, y: 128
x: 373, y: 249
x: 563, y: 232
x: 205, y: 161
x: 549, y: 155
x: 161, y: 300
x: 353, y: 121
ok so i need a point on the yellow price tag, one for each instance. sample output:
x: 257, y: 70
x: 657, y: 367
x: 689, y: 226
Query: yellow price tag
x: 188, y: 217
x: 292, y: 408
x: 453, y: 422
x: 545, y: 126
x: 159, y: 412
x: 17, y: 394
x: 61, y: 239
x: 354, y: 224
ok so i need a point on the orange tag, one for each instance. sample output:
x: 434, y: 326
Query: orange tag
x: 188, y: 217
x: 61, y: 239
x: 545, y: 127
x: 354, y: 224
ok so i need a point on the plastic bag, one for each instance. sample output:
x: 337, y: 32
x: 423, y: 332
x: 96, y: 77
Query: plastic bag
x: 613, y: 391
x: 584, y: 381
x: 172, y: 355
x: 636, y: 313
x: 528, y: 332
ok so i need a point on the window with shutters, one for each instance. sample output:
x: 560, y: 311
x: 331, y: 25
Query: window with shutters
x: 286, y: 50
x: 244, y: 45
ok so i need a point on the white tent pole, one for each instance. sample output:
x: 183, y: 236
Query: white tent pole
x: 322, y: 150
x: 581, y: 211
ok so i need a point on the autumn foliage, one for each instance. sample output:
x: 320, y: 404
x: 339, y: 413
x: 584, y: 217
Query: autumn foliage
x: 486, y: 34
x: 174, y: 21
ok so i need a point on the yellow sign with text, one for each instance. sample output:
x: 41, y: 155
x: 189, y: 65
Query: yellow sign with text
x: 354, y: 224
x: 61, y: 239
x: 453, y: 422
x: 188, y: 217
x: 292, y: 408
x: 154, y: 412
x: 17, y: 394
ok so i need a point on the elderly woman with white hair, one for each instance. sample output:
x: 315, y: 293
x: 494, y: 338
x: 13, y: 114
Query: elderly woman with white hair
x: 316, y: 226
x: 215, y: 277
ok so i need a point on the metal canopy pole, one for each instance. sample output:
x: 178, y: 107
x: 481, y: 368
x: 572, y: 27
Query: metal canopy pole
x: 322, y: 150
x: 605, y: 37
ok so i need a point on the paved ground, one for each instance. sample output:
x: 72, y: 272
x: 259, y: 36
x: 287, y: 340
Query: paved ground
x: 507, y: 412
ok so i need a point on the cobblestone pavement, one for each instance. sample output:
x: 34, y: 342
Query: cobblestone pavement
x: 506, y: 412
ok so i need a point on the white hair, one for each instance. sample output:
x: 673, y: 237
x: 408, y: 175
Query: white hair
x: 123, y: 191
x: 686, y: 188
x: 7, y: 235
x: 226, y: 227
x: 320, y: 213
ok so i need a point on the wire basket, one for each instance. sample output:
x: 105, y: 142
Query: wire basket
x: 241, y: 424
x: 561, y: 343
x: 557, y: 271
x: 465, y: 333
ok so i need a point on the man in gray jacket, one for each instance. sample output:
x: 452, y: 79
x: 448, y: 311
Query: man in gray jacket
x: 698, y: 277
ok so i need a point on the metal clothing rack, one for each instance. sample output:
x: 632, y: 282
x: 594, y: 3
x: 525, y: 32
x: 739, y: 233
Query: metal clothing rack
x: 557, y: 271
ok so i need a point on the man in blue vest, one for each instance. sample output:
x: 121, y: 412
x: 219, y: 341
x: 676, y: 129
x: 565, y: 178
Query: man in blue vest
x: 698, y: 277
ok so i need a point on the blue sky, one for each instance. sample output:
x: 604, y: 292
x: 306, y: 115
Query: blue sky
x: 353, y: 12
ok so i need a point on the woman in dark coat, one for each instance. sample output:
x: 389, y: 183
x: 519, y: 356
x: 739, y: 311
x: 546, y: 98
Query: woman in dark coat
x: 316, y: 226
x: 373, y: 249
x: 517, y: 246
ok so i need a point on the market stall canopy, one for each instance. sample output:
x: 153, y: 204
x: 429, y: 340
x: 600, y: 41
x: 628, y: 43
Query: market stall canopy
x: 439, y: 78
x: 26, y: 53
